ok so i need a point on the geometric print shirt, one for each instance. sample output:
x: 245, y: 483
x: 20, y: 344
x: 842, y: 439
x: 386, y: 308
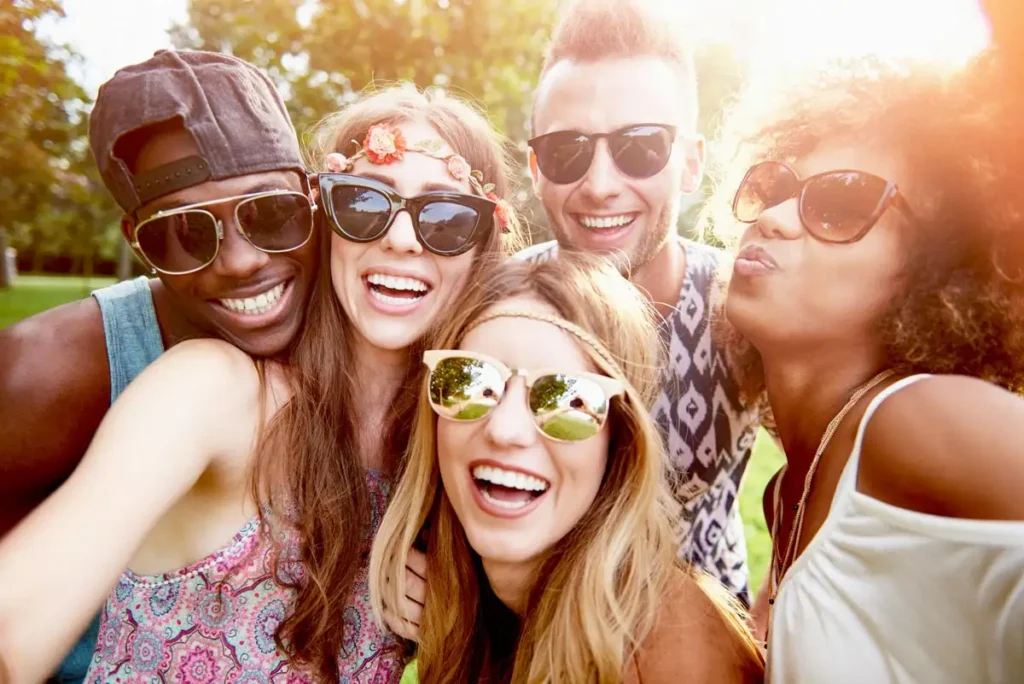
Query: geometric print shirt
x: 708, y: 432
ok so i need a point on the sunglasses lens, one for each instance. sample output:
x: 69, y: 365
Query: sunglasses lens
x: 464, y: 389
x: 837, y: 206
x: 179, y: 243
x: 641, y: 151
x: 564, y: 157
x: 276, y: 223
x: 568, y: 408
x: 766, y: 185
x: 360, y: 214
x: 448, y: 227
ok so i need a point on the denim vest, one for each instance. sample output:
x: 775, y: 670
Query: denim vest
x: 133, y: 342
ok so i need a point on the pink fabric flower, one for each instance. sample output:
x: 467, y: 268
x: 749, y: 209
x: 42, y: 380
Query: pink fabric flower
x: 458, y: 167
x: 384, y: 145
x: 338, y: 163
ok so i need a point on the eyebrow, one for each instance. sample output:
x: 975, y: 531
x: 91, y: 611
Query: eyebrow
x: 429, y: 186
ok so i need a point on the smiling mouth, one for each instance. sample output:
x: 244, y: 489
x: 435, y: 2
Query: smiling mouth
x: 606, y: 223
x: 396, y: 290
x: 508, y: 489
x: 254, y: 306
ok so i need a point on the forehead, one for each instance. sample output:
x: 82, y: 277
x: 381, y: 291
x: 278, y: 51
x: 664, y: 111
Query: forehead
x: 858, y: 155
x: 416, y: 172
x: 226, y: 187
x: 601, y: 96
x: 526, y: 343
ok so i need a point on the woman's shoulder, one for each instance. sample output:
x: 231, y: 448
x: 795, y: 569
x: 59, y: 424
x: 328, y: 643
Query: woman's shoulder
x: 700, y: 630
x: 936, y: 443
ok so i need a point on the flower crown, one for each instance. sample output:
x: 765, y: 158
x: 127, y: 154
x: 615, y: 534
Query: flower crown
x: 386, y: 145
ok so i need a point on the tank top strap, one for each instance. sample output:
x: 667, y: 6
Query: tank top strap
x: 848, y: 480
x: 131, y: 330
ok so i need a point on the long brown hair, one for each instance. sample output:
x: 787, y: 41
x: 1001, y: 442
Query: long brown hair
x: 595, y: 595
x: 308, y: 465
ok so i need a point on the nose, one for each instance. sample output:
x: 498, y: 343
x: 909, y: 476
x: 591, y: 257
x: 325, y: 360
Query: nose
x: 781, y: 221
x: 603, y: 180
x: 401, y: 236
x: 510, y: 424
x: 237, y: 258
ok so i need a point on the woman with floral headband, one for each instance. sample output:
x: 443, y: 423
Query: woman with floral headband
x: 880, y: 282
x: 243, y: 495
x: 538, y: 476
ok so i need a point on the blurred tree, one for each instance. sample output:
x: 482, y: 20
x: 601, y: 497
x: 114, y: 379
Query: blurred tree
x: 47, y: 189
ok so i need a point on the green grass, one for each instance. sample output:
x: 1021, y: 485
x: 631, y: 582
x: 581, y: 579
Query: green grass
x: 34, y: 293
x: 765, y: 461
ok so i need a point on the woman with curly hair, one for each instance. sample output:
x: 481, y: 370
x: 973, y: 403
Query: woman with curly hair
x: 539, y: 478
x: 878, y: 289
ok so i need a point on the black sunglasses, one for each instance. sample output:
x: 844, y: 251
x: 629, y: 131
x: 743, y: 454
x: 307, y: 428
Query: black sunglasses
x: 187, y: 239
x: 836, y: 206
x: 446, y: 223
x: 639, y: 151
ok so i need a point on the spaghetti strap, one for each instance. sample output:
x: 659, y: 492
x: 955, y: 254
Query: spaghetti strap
x: 849, y: 476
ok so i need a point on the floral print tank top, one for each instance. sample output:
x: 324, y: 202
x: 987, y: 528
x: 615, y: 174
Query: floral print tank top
x: 215, y: 620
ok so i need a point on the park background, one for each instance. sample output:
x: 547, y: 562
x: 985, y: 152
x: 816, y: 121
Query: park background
x: 61, y: 224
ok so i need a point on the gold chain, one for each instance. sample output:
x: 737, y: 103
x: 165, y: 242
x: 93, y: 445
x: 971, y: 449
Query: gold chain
x: 779, y: 566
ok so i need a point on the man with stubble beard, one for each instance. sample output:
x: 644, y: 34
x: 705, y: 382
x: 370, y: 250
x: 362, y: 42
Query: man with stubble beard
x: 615, y: 147
x: 198, y: 150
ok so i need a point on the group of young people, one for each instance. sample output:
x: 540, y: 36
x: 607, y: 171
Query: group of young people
x: 352, y: 422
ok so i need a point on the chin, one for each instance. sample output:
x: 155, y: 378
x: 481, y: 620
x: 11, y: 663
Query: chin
x: 501, y: 548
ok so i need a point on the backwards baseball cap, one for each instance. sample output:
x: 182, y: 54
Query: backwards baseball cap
x: 232, y: 111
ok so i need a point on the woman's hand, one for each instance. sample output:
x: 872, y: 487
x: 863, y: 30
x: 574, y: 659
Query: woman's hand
x: 405, y: 621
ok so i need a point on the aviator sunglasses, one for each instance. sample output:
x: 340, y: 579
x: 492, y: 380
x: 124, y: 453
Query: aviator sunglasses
x: 566, y: 407
x: 446, y: 223
x: 836, y: 206
x: 187, y: 239
x: 639, y: 151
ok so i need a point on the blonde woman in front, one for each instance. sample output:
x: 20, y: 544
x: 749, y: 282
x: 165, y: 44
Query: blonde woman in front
x: 535, y: 476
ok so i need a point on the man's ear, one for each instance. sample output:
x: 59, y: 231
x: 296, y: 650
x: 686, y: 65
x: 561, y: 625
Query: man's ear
x: 127, y: 227
x: 693, y: 174
x: 534, y: 171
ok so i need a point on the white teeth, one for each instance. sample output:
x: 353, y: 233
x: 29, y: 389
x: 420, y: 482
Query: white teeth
x: 509, y: 478
x: 605, y: 221
x: 397, y: 282
x: 255, y: 305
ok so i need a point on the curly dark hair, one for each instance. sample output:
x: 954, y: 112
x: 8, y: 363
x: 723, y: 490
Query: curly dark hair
x: 960, y: 134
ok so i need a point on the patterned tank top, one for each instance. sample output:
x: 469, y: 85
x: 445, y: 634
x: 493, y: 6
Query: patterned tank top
x: 215, y: 620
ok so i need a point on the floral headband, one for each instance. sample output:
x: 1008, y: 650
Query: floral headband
x: 386, y: 145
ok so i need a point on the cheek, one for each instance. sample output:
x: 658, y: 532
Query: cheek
x: 453, y: 272
x: 453, y: 445
x: 583, y: 469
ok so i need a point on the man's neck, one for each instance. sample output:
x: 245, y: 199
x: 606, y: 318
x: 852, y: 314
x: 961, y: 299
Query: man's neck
x: 174, y: 327
x: 511, y: 582
x: 662, y: 278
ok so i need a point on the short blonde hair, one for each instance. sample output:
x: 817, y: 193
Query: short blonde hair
x: 595, y: 30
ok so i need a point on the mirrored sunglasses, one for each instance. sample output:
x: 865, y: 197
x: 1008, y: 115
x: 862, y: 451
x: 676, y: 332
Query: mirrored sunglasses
x: 566, y: 407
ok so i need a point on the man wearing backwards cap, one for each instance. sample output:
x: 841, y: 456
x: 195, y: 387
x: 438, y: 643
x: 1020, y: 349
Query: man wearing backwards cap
x: 199, y: 152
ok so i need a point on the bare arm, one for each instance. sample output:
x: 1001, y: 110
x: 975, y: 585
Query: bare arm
x: 949, y: 446
x: 54, y: 391
x: 195, y: 404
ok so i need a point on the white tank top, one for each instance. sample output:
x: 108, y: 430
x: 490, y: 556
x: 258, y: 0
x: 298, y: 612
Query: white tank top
x: 883, y: 594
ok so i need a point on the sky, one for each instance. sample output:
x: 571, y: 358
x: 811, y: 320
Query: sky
x: 113, y: 33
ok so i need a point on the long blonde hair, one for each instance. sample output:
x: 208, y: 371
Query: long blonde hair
x: 596, y: 594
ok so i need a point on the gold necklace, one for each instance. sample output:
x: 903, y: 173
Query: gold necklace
x: 780, y: 566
